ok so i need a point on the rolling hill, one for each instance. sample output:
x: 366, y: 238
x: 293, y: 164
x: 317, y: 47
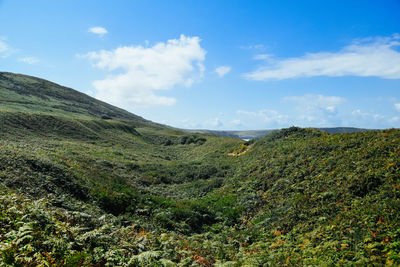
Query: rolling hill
x: 30, y: 94
x: 83, y: 183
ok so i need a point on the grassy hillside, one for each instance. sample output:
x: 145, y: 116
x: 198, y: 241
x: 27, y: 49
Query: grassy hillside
x: 322, y: 198
x: 30, y: 94
x: 83, y: 189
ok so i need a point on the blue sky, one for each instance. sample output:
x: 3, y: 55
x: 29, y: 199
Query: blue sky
x: 229, y: 65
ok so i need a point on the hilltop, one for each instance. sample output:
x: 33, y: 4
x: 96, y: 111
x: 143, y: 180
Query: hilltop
x: 83, y: 183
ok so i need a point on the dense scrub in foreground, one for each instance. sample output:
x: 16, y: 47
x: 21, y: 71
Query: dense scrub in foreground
x: 297, y: 197
x: 90, y: 191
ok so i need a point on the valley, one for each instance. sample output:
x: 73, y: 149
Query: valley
x: 84, y: 183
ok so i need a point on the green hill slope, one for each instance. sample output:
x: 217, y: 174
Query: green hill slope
x: 97, y: 186
x: 322, y: 199
x: 30, y: 94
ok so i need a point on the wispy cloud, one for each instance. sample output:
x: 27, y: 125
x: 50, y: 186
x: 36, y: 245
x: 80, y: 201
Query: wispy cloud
x: 5, y: 49
x: 223, y: 70
x: 368, y: 57
x: 236, y: 123
x: 366, y: 115
x: 216, y: 123
x: 394, y: 119
x: 306, y: 110
x: 316, y: 110
x: 371, y: 119
x: 262, y: 56
x: 145, y: 70
x: 268, y: 117
x: 253, y: 47
x: 3, y: 46
x: 314, y: 103
x: 29, y: 60
x: 98, y: 30
x: 397, y: 106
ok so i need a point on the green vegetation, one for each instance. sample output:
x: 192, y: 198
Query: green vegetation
x: 252, y: 134
x: 99, y: 186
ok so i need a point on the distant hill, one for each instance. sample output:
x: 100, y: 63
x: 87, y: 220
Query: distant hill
x: 251, y: 134
x: 344, y: 130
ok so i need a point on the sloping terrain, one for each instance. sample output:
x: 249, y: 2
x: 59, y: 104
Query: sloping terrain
x: 30, y: 94
x: 97, y: 186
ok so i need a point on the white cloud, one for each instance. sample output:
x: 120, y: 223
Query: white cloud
x: 397, y: 106
x: 144, y: 70
x: 315, y: 103
x: 5, y: 49
x: 222, y: 70
x: 267, y: 116
x: 367, y: 115
x: 98, y: 30
x: 394, y: 119
x: 358, y: 113
x: 3, y: 46
x: 184, y: 124
x: 210, y: 124
x: 29, y: 60
x: 316, y: 110
x: 372, y: 119
x: 253, y: 47
x: 236, y: 122
x: 216, y: 123
x: 369, y: 57
x: 262, y: 57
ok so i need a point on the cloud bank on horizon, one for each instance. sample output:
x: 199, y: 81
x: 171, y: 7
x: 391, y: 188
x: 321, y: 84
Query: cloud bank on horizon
x: 317, y: 109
